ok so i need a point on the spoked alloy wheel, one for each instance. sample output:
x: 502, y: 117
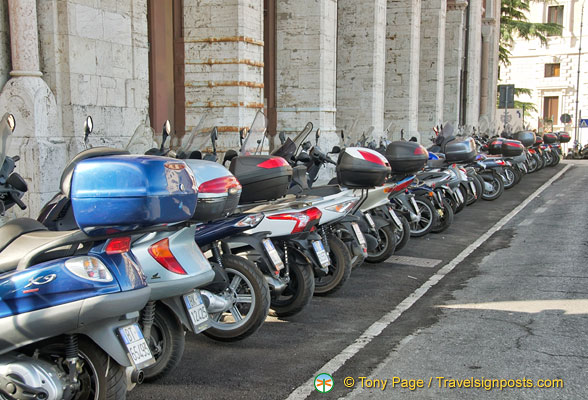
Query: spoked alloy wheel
x: 497, y: 188
x: 509, y: 178
x: 445, y: 218
x: 248, y: 298
x: 427, y: 220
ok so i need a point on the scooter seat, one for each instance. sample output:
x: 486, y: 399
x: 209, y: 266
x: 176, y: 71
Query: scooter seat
x: 22, y: 236
x: 17, y: 227
x: 322, y: 191
x: 65, y: 182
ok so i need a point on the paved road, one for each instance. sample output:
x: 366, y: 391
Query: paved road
x: 529, y: 259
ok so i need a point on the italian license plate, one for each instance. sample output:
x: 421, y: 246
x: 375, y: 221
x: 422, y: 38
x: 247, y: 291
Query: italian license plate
x: 370, y: 220
x: 197, y: 311
x: 359, y: 234
x: 136, y: 345
x: 395, y: 218
x: 322, y: 255
x: 273, y: 254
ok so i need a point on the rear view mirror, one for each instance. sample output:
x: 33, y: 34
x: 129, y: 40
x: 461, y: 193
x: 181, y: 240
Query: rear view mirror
x: 88, y: 127
x: 229, y: 155
x: 243, y: 133
x: 12, y: 122
x: 336, y: 150
x: 317, y: 135
x: 282, y: 137
x: 165, y: 131
x: 167, y: 127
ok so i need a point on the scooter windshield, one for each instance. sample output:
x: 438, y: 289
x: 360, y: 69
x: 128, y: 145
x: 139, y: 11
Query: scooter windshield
x: 198, y: 139
x: 143, y: 140
x: 293, y: 147
x: 6, y: 128
x: 256, y: 141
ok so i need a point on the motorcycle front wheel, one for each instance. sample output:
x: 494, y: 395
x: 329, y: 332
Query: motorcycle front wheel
x: 299, y: 291
x: 427, y: 220
x: 497, y: 187
x: 386, y: 245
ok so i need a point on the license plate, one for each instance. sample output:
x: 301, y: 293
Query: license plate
x: 395, y: 218
x: 197, y: 311
x: 136, y: 345
x: 370, y: 220
x: 322, y: 255
x: 360, y: 237
x: 273, y: 254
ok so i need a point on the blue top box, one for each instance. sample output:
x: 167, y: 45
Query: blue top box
x: 128, y: 192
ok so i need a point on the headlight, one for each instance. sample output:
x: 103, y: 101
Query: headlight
x: 90, y: 268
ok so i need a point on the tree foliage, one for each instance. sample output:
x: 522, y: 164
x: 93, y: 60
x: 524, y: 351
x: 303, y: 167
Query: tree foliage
x: 514, y: 23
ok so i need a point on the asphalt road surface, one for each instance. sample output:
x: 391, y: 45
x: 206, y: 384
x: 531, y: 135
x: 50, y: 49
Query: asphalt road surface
x: 499, y: 299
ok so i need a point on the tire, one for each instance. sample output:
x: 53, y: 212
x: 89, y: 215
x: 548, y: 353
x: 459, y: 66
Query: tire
x: 446, y: 219
x: 511, y: 178
x: 298, y: 293
x: 247, y: 283
x: 548, y: 158
x: 166, y: 343
x: 497, y: 188
x: 339, y: 270
x: 428, y: 217
x: 402, y: 235
x: 101, y: 377
x: 540, y: 162
x: 386, y: 245
x: 518, y: 174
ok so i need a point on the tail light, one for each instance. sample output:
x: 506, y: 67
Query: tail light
x: 118, y: 245
x: 273, y: 162
x: 162, y: 254
x: 305, y: 220
x: 224, y: 184
x: 89, y: 268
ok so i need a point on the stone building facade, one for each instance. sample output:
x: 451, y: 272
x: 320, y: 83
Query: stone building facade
x: 551, y: 71
x: 409, y: 65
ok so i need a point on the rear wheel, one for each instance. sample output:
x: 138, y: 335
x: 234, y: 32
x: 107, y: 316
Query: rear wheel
x: 299, y: 291
x: 339, y: 270
x: 99, y: 377
x: 497, y: 187
x: 249, y: 298
x: 445, y: 218
x: 386, y: 245
x: 166, y: 343
x: 427, y: 220
x: 402, y: 235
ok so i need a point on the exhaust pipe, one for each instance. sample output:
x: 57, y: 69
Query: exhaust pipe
x: 214, y: 303
x: 134, y: 377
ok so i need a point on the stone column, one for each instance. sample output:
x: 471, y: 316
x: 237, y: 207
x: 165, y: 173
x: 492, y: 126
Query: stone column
x: 490, y: 37
x: 474, y: 64
x: 37, y: 137
x: 306, y: 65
x: 454, y: 50
x: 361, y: 56
x: 403, y: 22
x: 224, y: 63
x: 432, y: 65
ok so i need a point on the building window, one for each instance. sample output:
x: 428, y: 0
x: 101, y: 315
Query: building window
x: 550, y: 107
x: 555, y: 15
x: 551, y: 70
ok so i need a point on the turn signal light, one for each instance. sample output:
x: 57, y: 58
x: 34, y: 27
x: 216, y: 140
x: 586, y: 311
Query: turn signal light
x: 118, y: 245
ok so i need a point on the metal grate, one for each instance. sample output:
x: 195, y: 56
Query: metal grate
x: 413, y: 261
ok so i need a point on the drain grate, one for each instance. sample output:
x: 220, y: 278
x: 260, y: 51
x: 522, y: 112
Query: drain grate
x: 414, y: 261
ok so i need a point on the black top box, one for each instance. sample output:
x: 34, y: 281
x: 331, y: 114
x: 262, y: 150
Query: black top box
x: 406, y: 157
x: 262, y: 177
x: 527, y: 138
x: 549, y: 138
x: 361, y: 168
x: 461, y: 151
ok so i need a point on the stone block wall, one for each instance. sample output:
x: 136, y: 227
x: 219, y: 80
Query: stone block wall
x: 4, y: 44
x: 361, y: 57
x: 224, y: 64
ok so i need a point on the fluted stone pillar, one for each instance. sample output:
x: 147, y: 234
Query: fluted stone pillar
x: 37, y: 137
